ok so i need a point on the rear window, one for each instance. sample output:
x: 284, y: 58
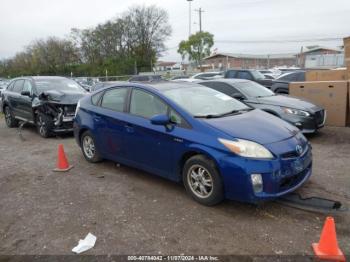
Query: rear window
x: 96, y: 98
x: 63, y: 84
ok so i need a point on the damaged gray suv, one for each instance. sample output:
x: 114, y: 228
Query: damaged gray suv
x: 48, y: 102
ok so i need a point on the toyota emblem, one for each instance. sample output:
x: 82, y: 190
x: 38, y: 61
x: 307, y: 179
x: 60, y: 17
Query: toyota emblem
x: 299, y: 149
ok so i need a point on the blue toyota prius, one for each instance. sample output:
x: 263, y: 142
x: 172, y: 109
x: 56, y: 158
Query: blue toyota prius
x: 217, y: 146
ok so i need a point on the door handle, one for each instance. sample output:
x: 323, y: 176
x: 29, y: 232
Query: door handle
x: 129, y: 128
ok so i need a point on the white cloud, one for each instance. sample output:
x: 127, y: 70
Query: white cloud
x: 22, y: 21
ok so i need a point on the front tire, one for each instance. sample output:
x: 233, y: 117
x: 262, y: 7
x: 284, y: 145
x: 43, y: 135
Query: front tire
x: 202, y: 180
x: 10, y: 120
x: 44, y: 125
x: 88, y: 148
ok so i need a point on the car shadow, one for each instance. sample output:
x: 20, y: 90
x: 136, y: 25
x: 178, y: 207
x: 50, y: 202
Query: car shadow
x: 227, y: 208
x: 32, y: 130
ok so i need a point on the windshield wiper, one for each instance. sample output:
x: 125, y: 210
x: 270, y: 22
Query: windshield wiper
x: 264, y: 96
x: 220, y: 115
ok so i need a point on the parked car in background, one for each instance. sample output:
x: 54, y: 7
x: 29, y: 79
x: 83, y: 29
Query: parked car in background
x: 3, y: 85
x: 180, y: 77
x: 146, y: 78
x: 270, y: 73
x: 269, y: 77
x: 45, y: 101
x: 216, y: 145
x: 201, y: 76
x: 306, y: 116
x: 249, y: 74
x: 281, y: 84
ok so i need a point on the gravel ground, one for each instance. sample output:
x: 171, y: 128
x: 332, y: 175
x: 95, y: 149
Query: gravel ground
x: 132, y: 212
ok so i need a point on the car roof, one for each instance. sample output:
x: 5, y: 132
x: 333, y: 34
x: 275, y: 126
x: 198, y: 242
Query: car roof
x: 239, y: 69
x: 227, y: 80
x: 40, y: 77
x: 167, y: 85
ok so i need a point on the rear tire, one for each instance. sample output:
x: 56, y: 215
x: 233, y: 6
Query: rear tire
x: 10, y: 120
x: 202, y: 180
x: 44, y: 125
x: 87, y: 144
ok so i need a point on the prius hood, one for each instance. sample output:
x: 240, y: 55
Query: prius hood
x: 255, y: 125
x: 289, y: 101
x: 62, y: 97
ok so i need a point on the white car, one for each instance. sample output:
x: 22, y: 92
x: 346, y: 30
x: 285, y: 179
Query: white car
x: 201, y: 76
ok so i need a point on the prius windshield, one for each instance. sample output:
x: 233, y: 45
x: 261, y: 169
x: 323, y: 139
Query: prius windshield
x: 205, y: 102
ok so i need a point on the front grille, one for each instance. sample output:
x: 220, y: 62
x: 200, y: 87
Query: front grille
x: 294, y: 153
x: 292, y: 181
x: 319, y: 117
x: 290, y: 154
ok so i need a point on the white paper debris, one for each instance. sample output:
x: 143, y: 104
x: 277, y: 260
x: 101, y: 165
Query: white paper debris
x: 85, y: 244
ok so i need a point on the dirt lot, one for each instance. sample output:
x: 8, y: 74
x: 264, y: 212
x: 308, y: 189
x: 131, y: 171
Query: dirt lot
x: 132, y: 212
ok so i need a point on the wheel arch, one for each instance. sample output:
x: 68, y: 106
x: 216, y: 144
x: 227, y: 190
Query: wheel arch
x: 81, y: 132
x: 190, y: 153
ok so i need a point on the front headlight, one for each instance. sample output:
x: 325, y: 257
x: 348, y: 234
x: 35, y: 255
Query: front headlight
x: 246, y: 148
x: 295, y: 111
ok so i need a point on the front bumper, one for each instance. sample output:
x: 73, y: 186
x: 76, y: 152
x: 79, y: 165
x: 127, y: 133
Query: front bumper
x: 65, y: 125
x: 281, y: 176
x: 307, y: 124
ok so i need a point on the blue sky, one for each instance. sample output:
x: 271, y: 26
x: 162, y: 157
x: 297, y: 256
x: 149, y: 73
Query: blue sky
x: 22, y: 21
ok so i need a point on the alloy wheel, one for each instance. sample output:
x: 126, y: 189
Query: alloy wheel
x: 200, y: 181
x: 89, y: 147
x: 8, y: 116
x: 42, y: 126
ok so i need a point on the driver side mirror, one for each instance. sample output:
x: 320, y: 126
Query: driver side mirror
x: 238, y: 96
x: 160, y: 120
x: 25, y: 93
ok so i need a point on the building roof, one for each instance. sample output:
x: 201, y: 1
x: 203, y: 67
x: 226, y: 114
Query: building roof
x: 164, y: 63
x: 253, y: 56
x: 311, y: 49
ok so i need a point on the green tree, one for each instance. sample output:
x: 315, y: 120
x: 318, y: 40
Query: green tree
x: 196, y: 47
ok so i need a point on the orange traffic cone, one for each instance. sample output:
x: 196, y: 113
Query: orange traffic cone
x: 328, y: 247
x: 62, y: 162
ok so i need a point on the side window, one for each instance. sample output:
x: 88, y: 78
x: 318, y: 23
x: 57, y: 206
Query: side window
x: 231, y: 74
x: 10, y: 86
x: 301, y: 76
x: 223, y: 88
x: 289, y: 77
x: 27, y: 87
x: 175, y: 117
x: 244, y: 75
x: 18, y: 86
x: 96, y: 98
x: 114, y: 99
x: 146, y: 105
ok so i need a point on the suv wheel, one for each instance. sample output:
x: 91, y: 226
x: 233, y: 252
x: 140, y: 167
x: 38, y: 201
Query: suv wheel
x: 202, y: 180
x: 9, y: 118
x: 88, y: 148
x: 44, y: 125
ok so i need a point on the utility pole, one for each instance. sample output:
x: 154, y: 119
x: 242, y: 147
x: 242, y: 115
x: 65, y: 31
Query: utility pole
x: 200, y: 11
x: 189, y: 17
